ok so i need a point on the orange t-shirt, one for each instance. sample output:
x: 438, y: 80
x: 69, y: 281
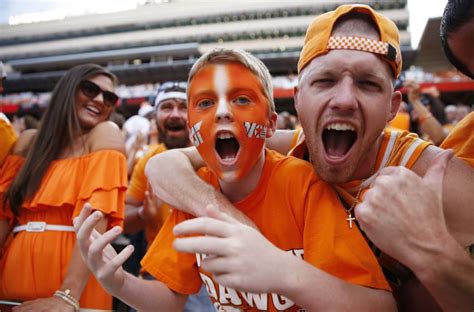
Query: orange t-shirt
x: 7, y: 138
x: 461, y: 139
x: 398, y: 148
x: 294, y: 210
x: 139, y: 185
x: 34, y: 265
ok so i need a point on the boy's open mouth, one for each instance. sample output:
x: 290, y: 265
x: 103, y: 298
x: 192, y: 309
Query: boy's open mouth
x: 227, y: 146
x: 338, y: 138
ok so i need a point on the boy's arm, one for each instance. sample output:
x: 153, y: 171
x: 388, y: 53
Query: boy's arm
x: 172, y: 178
x: 244, y: 259
x: 149, y: 295
x: 106, y: 265
x: 425, y: 242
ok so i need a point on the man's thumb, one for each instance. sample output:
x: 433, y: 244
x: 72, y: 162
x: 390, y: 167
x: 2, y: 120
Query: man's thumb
x: 435, y: 172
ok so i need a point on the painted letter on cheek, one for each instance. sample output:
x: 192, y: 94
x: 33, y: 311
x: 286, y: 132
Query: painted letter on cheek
x: 195, y: 135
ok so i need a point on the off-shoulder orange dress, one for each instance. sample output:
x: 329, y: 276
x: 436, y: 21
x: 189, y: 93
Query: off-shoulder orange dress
x: 34, y: 265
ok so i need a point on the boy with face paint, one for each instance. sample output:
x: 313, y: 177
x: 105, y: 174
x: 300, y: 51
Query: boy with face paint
x: 230, y: 113
x: 234, y: 127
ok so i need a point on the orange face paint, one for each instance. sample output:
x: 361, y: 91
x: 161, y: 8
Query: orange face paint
x: 228, y: 118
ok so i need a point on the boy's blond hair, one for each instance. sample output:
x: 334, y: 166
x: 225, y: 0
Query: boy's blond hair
x: 223, y: 55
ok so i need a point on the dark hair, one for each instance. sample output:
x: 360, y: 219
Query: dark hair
x: 456, y: 14
x: 59, y: 127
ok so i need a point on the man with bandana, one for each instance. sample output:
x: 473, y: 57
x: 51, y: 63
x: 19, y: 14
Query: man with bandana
x: 143, y: 210
x: 344, y: 99
x: 231, y: 113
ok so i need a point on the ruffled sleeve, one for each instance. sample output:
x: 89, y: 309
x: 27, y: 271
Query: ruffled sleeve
x: 8, y: 171
x: 104, y: 185
x: 99, y: 178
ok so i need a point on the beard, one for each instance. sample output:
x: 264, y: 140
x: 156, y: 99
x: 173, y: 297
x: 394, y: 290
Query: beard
x: 178, y: 142
x: 359, y: 166
x: 172, y: 142
x: 329, y: 173
x: 333, y: 175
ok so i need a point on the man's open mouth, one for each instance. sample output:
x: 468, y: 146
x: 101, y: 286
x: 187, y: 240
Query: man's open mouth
x: 227, y: 147
x: 175, y: 127
x: 338, y: 138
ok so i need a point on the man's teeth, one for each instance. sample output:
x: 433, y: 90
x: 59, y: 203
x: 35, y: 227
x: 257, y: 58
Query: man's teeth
x: 340, y: 127
x: 225, y: 135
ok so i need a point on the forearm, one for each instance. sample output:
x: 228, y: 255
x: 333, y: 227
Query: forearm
x: 133, y: 221
x: 146, y: 295
x: 175, y: 182
x: 280, y: 141
x: 78, y: 273
x: 76, y: 276
x: 316, y: 290
x: 131, y: 160
x: 429, y: 124
x: 446, y: 270
x: 172, y: 178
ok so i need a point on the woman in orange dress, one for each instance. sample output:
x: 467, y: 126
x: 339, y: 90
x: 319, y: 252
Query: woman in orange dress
x: 76, y: 156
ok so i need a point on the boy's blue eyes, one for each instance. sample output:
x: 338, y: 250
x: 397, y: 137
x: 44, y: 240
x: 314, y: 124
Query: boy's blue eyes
x: 241, y: 100
x: 205, y: 103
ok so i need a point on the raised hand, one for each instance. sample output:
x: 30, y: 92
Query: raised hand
x: 97, y: 251
x: 413, y: 88
x: 402, y: 213
x: 236, y: 254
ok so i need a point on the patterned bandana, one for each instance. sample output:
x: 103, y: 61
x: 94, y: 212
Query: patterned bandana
x: 364, y: 44
x: 318, y: 40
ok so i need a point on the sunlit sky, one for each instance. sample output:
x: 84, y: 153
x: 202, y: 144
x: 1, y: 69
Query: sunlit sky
x: 15, y: 11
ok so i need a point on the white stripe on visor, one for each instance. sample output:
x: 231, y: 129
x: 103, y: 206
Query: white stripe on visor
x: 169, y: 95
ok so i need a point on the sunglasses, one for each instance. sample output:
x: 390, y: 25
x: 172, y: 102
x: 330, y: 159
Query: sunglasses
x: 91, y: 90
x: 173, y: 86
